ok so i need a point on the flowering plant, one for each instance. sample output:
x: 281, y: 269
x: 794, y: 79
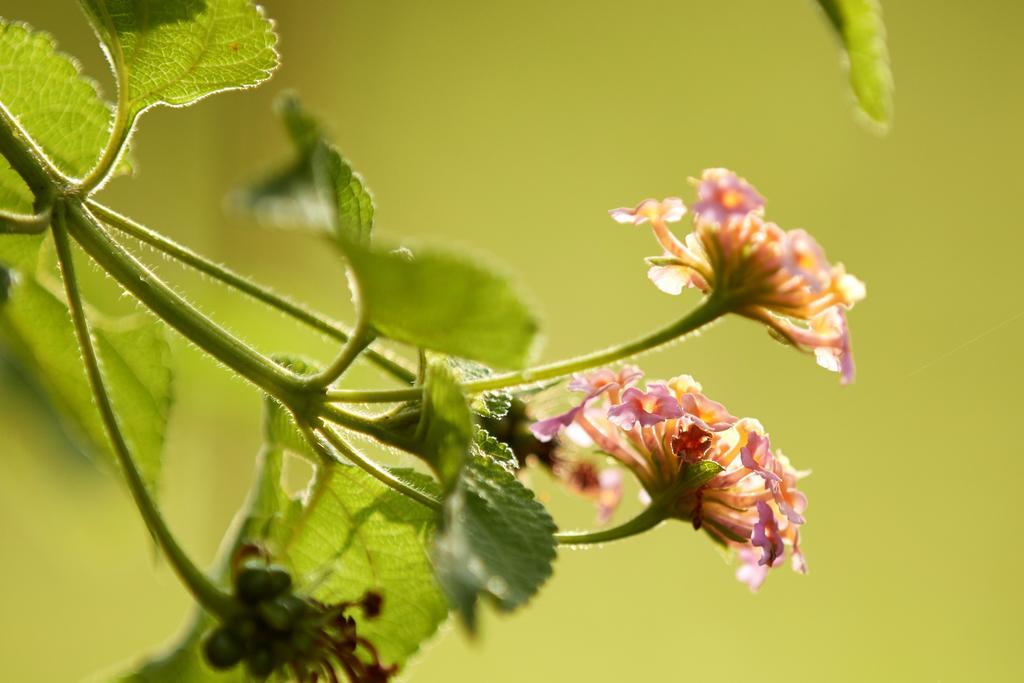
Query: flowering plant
x: 346, y: 580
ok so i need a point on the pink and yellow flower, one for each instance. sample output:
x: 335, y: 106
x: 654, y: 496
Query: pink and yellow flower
x: 756, y: 268
x: 704, y: 465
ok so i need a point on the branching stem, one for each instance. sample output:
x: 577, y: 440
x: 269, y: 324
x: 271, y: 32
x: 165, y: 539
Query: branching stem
x: 243, y: 284
x: 274, y: 379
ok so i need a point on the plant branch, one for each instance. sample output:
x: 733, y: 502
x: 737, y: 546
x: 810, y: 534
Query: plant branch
x: 274, y: 379
x: 258, y: 292
x: 709, y: 310
x: 211, y: 597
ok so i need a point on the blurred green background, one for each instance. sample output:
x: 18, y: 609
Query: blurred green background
x: 512, y: 127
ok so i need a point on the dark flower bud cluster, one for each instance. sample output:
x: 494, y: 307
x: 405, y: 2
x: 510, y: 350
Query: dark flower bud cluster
x: 277, y: 630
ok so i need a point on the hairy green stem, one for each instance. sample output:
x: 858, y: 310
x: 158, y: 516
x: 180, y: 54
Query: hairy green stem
x: 362, y: 336
x: 123, y: 119
x: 322, y: 437
x: 652, y: 516
x: 204, y: 591
x: 178, y: 313
x: 709, y: 310
x: 238, y: 282
x: 25, y: 157
x: 18, y: 224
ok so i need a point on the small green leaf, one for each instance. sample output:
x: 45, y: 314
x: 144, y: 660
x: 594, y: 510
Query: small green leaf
x: 176, y: 52
x: 317, y: 191
x: 496, y: 540
x: 35, y: 323
x: 698, y: 474
x: 862, y: 32
x: 359, y: 535
x: 60, y: 109
x: 491, y: 404
x: 487, y: 446
x: 444, y: 302
x: 446, y: 427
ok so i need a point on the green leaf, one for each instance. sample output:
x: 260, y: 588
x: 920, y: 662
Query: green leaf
x: 862, y: 32
x: 486, y: 445
x: 435, y: 300
x: 491, y: 404
x: 446, y: 427
x: 496, y: 540
x: 317, y: 191
x: 35, y: 323
x: 698, y: 474
x: 359, y: 535
x: 59, y: 108
x: 176, y: 52
x: 444, y: 302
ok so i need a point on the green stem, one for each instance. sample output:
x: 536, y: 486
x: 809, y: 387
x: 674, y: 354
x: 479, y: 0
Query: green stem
x: 211, y: 597
x: 317, y: 438
x: 709, y: 310
x: 258, y: 292
x: 111, y: 153
x: 362, y: 336
x: 19, y: 224
x: 41, y: 176
x: 651, y: 517
x: 123, y: 119
x: 178, y: 313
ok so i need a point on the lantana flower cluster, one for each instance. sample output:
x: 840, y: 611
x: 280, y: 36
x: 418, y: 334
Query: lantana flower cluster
x: 694, y: 459
x: 759, y: 270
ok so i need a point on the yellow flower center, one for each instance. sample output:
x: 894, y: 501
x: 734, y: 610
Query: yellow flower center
x: 732, y: 199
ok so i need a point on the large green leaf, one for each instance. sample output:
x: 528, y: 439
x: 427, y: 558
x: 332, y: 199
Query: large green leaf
x: 862, y: 32
x: 317, y: 190
x: 496, y: 540
x: 176, y: 52
x: 444, y: 302
x: 36, y: 324
x: 446, y: 427
x: 62, y: 111
x: 358, y: 535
